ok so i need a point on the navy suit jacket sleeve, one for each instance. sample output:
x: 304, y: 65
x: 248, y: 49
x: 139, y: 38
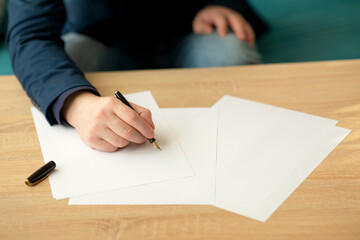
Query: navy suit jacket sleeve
x: 37, y: 52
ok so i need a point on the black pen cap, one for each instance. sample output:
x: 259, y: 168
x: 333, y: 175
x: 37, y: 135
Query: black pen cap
x: 40, y: 174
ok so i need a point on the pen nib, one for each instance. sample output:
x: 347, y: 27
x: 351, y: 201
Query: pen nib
x: 155, y: 144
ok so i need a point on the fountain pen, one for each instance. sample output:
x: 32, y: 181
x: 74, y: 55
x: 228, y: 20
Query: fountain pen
x: 119, y: 96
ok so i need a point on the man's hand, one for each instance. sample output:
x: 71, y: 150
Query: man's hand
x: 105, y: 123
x: 223, y: 18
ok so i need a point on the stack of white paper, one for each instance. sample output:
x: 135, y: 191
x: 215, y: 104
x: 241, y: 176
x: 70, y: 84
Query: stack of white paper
x: 265, y: 152
x: 81, y: 170
x: 239, y: 155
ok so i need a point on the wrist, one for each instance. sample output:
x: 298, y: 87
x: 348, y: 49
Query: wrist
x: 74, y: 103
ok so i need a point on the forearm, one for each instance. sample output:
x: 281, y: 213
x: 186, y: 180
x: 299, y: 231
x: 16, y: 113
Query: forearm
x: 36, y: 49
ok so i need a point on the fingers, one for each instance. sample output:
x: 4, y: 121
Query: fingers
x: 207, y: 18
x: 101, y: 145
x: 133, y: 119
x: 201, y: 26
x: 117, y: 134
x: 144, y: 113
x: 250, y: 34
x: 120, y: 134
x: 242, y: 29
x: 115, y: 140
x: 223, y: 18
x: 221, y: 24
x: 238, y: 27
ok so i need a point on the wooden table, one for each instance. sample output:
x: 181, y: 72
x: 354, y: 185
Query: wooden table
x: 325, y: 206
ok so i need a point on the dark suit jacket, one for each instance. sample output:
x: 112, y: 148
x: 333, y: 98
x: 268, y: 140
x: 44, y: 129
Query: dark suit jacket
x: 35, y: 27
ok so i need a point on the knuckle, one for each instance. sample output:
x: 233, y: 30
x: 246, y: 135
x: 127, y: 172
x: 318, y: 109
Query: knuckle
x: 119, y: 141
x: 123, y: 143
x: 90, y: 139
x: 196, y: 26
x: 128, y: 133
x: 99, y: 114
x: 147, y: 112
x: 132, y: 117
x: 109, y: 101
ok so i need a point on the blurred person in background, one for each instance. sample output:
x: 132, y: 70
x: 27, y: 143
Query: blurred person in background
x: 52, y: 42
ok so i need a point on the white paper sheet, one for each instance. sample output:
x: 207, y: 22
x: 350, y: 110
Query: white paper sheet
x: 195, y: 129
x: 331, y: 138
x: 264, y: 153
x: 81, y: 170
x: 228, y: 101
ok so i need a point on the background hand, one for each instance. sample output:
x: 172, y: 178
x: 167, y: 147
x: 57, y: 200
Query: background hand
x: 105, y: 123
x: 223, y: 18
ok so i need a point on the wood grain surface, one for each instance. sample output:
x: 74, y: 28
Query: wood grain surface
x: 325, y: 206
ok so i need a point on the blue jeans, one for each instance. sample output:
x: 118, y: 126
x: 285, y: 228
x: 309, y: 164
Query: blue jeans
x: 191, y: 51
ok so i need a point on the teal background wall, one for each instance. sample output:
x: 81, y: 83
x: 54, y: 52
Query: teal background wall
x: 5, y: 64
x: 309, y: 30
